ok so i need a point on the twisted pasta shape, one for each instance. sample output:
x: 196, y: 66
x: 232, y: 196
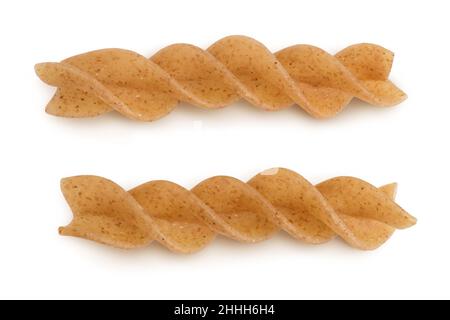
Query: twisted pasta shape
x: 233, y: 68
x: 185, y: 221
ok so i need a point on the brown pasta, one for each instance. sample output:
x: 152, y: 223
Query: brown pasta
x: 185, y: 221
x: 233, y: 68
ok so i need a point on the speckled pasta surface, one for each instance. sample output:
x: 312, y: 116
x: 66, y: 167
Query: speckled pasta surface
x: 233, y: 68
x: 187, y: 220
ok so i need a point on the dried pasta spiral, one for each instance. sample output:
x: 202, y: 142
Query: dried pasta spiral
x: 187, y: 220
x: 233, y: 68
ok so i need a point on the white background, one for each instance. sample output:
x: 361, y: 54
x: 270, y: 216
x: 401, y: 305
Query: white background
x: 407, y: 144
